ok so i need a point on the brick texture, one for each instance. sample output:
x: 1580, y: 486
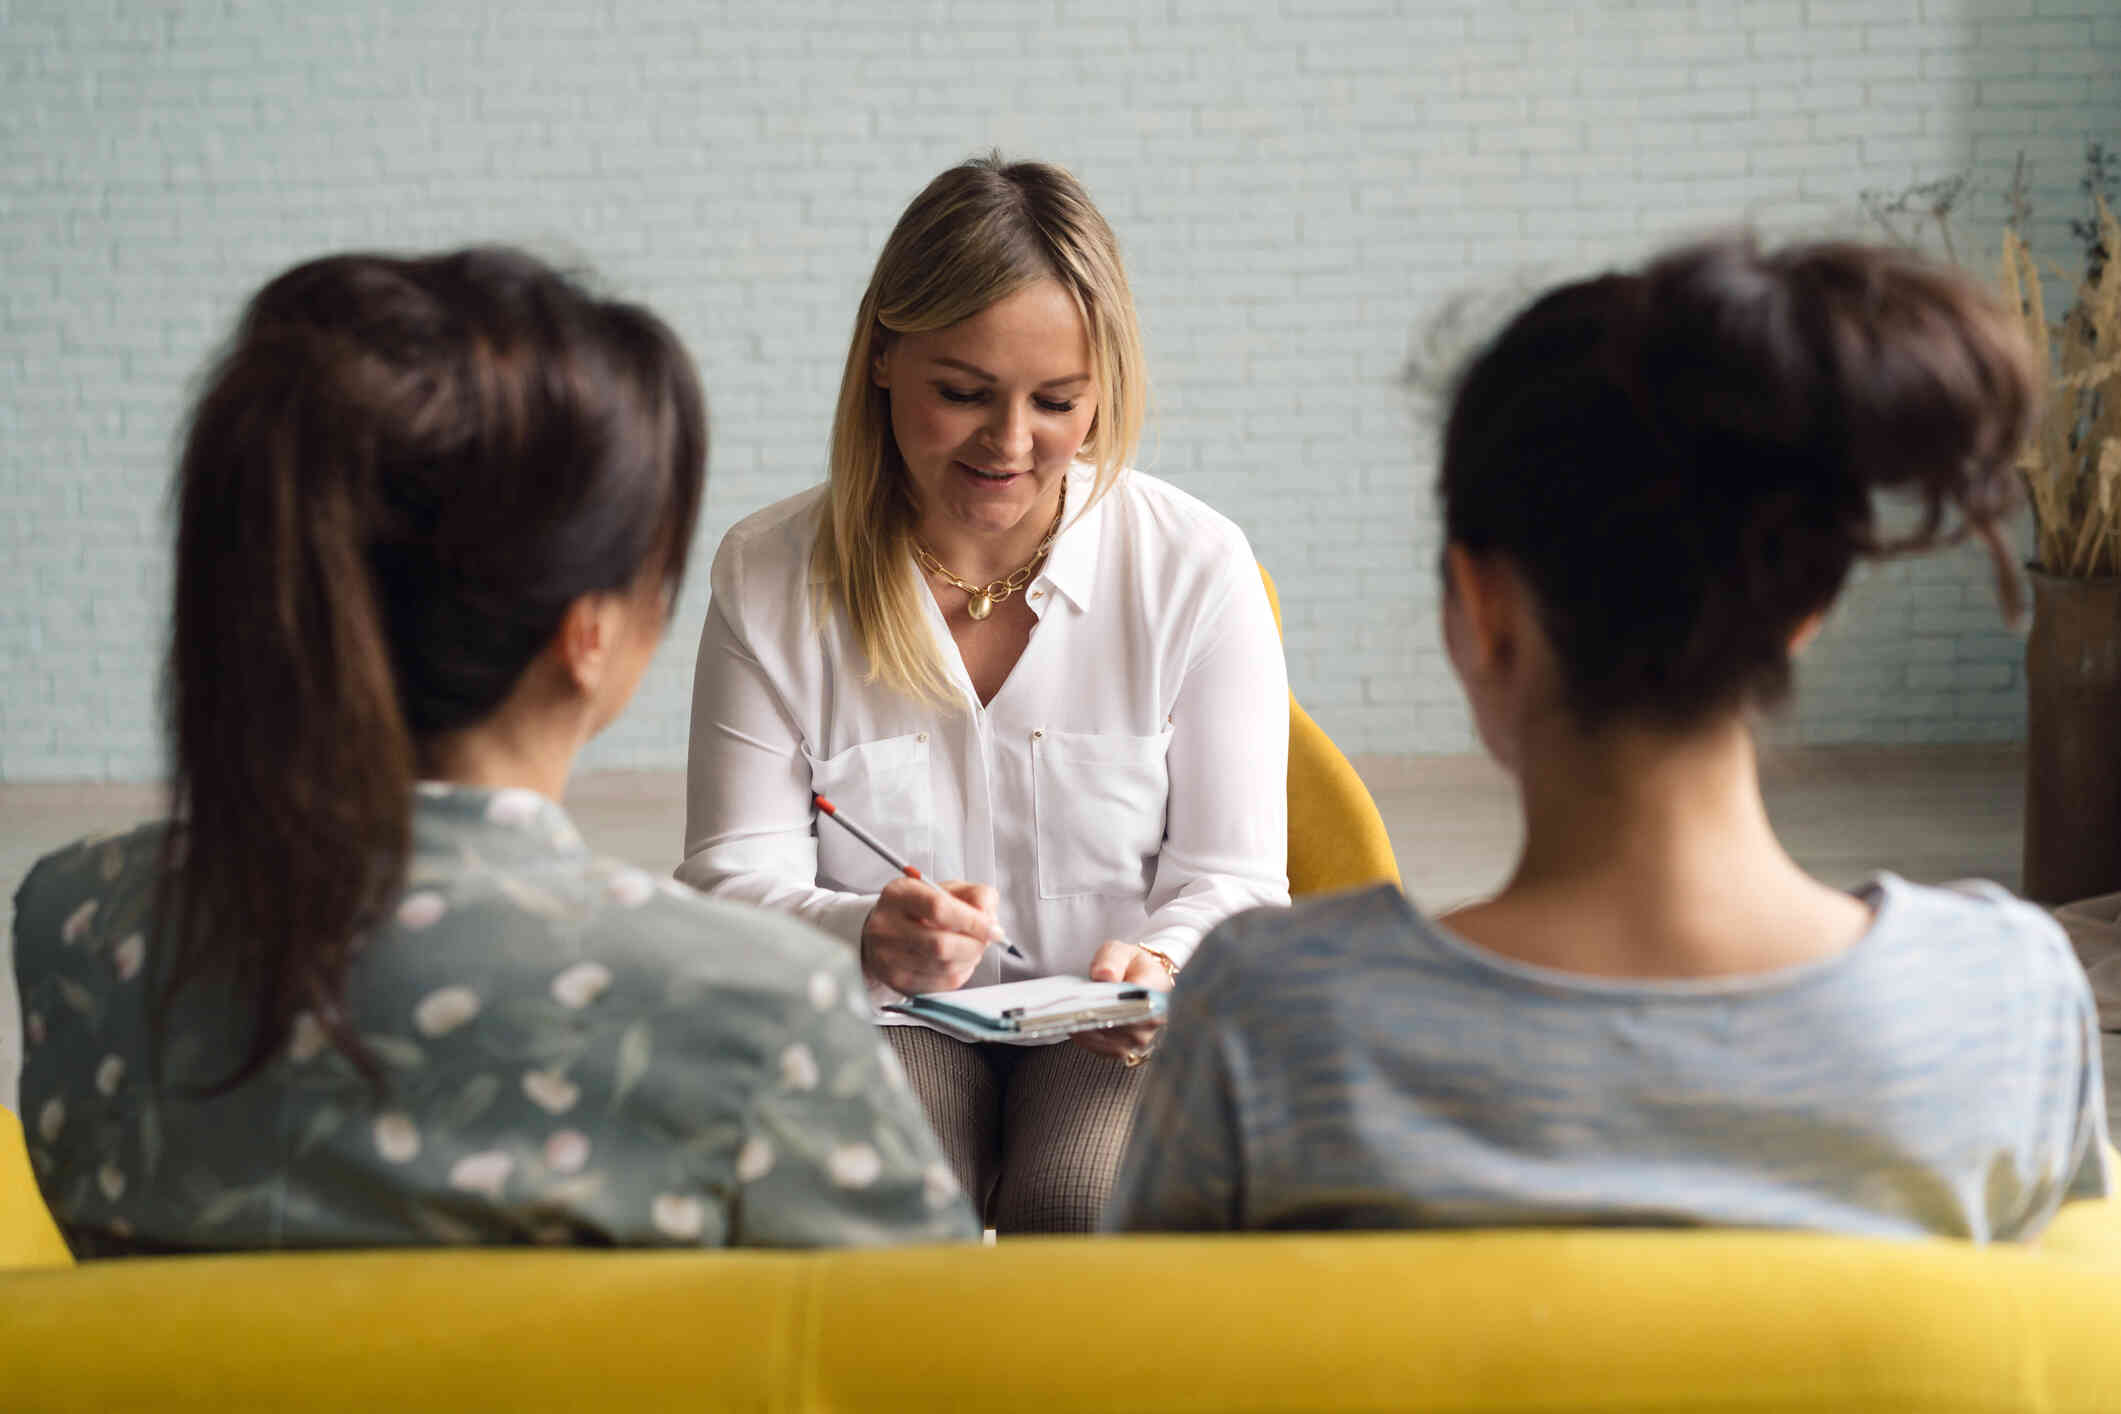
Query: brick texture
x: 1300, y: 187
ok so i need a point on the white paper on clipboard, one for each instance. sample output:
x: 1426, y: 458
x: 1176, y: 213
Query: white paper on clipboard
x: 1038, y: 1008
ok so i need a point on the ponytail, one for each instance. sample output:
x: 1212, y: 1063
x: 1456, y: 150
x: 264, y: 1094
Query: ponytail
x: 293, y: 764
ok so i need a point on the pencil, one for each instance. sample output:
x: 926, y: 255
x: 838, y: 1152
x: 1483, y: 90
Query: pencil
x: 883, y: 852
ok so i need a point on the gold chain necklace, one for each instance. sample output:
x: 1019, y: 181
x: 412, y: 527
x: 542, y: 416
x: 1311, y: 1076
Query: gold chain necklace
x: 985, y: 596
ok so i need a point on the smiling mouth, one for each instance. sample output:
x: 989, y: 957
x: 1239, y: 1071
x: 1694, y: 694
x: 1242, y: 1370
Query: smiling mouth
x: 992, y: 477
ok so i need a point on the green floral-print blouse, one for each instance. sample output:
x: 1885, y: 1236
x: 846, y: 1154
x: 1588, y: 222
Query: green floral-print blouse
x: 575, y: 1052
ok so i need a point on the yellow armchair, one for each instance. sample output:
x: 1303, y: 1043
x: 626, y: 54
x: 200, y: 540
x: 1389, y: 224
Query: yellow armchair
x: 1337, y: 839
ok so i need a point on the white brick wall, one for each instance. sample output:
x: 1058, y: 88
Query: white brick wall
x: 1296, y: 184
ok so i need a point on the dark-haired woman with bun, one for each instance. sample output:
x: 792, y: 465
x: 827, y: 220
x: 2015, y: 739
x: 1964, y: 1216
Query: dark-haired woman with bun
x: 369, y: 988
x: 1653, y: 487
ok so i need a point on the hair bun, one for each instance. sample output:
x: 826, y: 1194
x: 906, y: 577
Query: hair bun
x: 1854, y: 367
x: 1702, y: 442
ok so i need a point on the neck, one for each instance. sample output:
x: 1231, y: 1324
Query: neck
x: 1642, y: 803
x: 512, y: 748
x: 1649, y: 854
x: 981, y: 557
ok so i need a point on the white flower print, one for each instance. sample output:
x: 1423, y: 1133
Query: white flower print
x: 484, y: 1172
x: 397, y: 1139
x: 421, y: 910
x: 33, y: 1028
x: 938, y: 1185
x: 128, y: 958
x: 551, y: 1090
x: 433, y: 790
x: 514, y: 806
x: 305, y: 1038
x: 565, y: 837
x: 581, y: 984
x: 567, y: 1151
x: 799, y: 1068
x: 51, y: 1119
x: 824, y: 990
x: 444, y: 1010
x: 109, y: 1074
x: 630, y: 888
x: 854, y: 1165
x: 119, y: 1227
x: 76, y: 925
x: 111, y: 1180
x: 678, y: 1216
x: 754, y: 1161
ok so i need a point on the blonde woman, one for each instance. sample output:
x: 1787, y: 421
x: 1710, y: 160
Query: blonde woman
x: 1035, y: 673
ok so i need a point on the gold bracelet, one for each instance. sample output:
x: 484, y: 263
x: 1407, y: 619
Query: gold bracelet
x: 1169, y: 966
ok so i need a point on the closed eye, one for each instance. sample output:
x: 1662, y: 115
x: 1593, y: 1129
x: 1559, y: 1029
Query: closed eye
x: 979, y: 395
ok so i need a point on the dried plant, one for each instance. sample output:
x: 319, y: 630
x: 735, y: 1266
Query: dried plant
x: 1902, y: 214
x: 2102, y: 172
x: 2072, y: 462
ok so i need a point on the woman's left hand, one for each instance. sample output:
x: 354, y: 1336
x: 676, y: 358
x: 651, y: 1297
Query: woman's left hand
x: 1124, y: 962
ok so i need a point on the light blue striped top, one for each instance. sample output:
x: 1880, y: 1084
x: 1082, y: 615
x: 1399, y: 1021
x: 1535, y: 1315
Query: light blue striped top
x: 1347, y: 1064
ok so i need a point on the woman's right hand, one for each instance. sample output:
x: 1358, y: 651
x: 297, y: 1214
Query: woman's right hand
x: 923, y: 937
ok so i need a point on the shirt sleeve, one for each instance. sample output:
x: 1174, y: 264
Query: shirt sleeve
x: 750, y: 826
x: 1183, y: 1169
x: 836, y: 1150
x: 1226, y: 833
x: 2072, y: 1160
x: 2089, y: 1176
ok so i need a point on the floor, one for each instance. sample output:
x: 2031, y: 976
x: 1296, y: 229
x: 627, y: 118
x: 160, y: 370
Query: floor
x: 1928, y: 813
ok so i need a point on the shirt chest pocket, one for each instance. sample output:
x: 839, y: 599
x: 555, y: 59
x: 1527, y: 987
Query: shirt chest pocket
x: 885, y: 787
x: 1098, y: 802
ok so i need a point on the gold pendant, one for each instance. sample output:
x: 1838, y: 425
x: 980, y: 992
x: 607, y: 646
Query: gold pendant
x: 981, y: 605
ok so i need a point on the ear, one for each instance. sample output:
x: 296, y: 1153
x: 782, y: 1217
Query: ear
x: 1481, y: 603
x: 880, y: 358
x: 589, y: 632
x: 1807, y: 629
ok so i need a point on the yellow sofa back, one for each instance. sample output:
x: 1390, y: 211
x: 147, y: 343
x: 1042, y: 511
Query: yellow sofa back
x: 28, y: 1236
x: 1490, y: 1321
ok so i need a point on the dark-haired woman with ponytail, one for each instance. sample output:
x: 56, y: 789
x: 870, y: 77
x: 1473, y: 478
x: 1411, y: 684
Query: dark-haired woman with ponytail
x: 1653, y: 487
x: 369, y: 988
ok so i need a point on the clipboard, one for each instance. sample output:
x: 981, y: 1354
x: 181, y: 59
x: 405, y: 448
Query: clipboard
x: 1038, y: 1009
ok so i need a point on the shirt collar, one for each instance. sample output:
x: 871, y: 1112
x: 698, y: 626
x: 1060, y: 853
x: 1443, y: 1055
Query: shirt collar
x: 506, y: 818
x: 1071, y: 565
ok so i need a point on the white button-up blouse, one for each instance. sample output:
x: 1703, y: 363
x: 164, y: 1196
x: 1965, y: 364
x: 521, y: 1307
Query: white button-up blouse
x: 1128, y: 780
